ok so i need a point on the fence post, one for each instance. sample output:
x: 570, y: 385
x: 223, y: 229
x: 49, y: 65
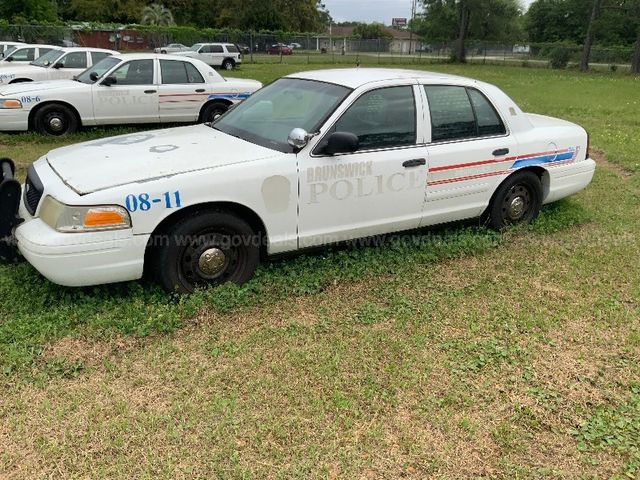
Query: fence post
x: 251, y: 45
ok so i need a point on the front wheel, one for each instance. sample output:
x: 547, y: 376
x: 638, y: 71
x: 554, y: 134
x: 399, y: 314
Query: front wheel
x: 55, y: 119
x: 206, y: 249
x: 517, y: 201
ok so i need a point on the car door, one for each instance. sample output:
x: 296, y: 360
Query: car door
x: 182, y: 91
x: 378, y: 188
x: 469, y: 149
x: 69, y: 65
x: 133, y: 98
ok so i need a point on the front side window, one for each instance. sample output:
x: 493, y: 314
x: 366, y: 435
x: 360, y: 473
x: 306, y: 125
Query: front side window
x: 135, y: 72
x: 459, y: 113
x: 74, y: 60
x: 383, y: 118
x: 23, y: 55
x: 176, y: 72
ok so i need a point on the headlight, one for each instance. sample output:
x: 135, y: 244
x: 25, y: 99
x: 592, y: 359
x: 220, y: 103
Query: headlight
x: 70, y: 219
x: 10, y: 103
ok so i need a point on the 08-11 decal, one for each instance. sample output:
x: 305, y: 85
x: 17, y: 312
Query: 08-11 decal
x: 144, y: 202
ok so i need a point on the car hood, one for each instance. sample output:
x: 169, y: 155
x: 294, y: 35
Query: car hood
x: 39, y: 87
x: 140, y: 157
x: 8, y: 74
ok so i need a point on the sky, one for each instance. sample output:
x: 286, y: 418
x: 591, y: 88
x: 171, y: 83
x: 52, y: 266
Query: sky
x: 373, y: 10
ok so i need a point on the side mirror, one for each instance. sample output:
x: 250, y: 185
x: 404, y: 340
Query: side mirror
x: 341, y: 142
x: 93, y: 76
x: 107, y: 82
x: 298, y: 138
x: 57, y: 65
x: 9, y: 59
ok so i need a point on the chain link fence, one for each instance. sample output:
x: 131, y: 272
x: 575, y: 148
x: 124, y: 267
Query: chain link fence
x: 320, y: 49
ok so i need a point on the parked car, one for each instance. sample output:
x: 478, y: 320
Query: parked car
x: 311, y: 159
x: 294, y: 45
x: 225, y: 55
x: 280, y: 49
x: 172, y: 48
x: 244, y: 49
x: 123, y: 88
x: 58, y: 64
x: 24, y: 54
x: 4, y: 46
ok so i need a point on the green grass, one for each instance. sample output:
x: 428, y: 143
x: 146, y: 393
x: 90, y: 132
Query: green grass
x: 451, y: 353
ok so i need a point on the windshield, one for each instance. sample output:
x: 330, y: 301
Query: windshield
x: 9, y: 51
x: 267, y: 117
x: 48, y: 58
x: 100, y: 68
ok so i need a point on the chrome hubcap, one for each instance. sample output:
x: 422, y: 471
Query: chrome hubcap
x: 212, y: 262
x: 516, y: 209
x: 56, y: 124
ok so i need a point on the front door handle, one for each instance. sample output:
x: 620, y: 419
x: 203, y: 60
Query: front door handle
x: 200, y: 90
x: 415, y: 162
x: 150, y: 91
x: 500, y: 152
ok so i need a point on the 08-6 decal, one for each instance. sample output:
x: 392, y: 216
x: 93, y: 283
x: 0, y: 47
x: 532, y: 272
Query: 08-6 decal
x: 143, y: 201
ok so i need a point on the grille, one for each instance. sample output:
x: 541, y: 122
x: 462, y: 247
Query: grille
x: 32, y: 191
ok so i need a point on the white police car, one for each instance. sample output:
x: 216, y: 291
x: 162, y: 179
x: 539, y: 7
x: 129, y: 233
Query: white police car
x: 313, y: 158
x: 23, y: 54
x: 58, y: 64
x: 124, y: 88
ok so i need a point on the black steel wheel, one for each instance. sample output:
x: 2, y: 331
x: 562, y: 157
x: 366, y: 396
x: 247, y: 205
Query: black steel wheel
x: 212, y: 111
x: 517, y: 200
x: 55, y: 119
x: 206, y: 249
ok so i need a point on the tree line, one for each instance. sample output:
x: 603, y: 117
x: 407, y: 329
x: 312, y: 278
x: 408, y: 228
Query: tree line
x: 577, y: 22
x: 272, y: 15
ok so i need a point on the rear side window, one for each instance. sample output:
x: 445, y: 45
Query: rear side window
x: 176, y: 72
x: 459, y: 112
x: 232, y: 49
x: 216, y: 49
x: 97, y: 56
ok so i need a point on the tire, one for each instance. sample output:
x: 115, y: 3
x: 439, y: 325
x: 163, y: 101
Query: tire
x: 20, y: 80
x: 55, y: 119
x: 228, y: 64
x: 517, y: 201
x: 163, y: 51
x: 212, y: 111
x: 206, y: 248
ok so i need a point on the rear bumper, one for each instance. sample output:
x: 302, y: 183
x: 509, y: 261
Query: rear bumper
x: 569, y: 179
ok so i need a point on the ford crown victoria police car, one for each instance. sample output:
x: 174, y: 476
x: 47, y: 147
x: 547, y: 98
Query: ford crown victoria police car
x: 127, y: 88
x: 311, y: 159
x: 58, y: 64
x: 23, y: 54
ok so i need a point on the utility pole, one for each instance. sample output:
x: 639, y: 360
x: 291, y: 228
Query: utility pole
x: 414, y: 6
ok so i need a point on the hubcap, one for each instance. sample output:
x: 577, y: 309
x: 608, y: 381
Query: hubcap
x: 517, y: 204
x: 212, y: 262
x: 56, y: 124
x: 516, y: 208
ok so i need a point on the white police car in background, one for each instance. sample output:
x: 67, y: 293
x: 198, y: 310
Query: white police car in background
x: 123, y: 88
x: 225, y: 55
x: 311, y: 159
x: 171, y: 48
x: 58, y: 64
x: 24, y: 54
x: 5, y: 46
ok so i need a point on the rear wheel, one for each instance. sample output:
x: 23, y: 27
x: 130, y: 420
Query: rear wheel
x: 517, y: 200
x: 228, y: 64
x: 212, y: 111
x: 206, y: 249
x: 163, y: 51
x: 55, y: 119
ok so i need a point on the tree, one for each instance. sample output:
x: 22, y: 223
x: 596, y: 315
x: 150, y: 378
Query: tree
x: 461, y: 20
x: 596, y: 10
x: 29, y: 10
x: 156, y: 14
x: 367, y: 31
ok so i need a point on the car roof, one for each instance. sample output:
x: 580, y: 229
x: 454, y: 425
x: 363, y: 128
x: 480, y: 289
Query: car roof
x: 31, y: 45
x: 84, y: 49
x: 146, y: 56
x: 356, y: 77
x: 213, y: 43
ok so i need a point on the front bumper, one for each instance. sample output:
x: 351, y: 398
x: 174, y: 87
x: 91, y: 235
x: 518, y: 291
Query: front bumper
x: 81, y: 259
x: 14, y: 120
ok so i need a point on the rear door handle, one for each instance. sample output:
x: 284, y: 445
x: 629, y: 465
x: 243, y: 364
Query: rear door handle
x: 150, y: 91
x: 414, y: 163
x: 500, y: 152
x: 200, y: 90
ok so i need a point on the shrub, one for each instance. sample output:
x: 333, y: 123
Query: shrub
x: 559, y: 57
